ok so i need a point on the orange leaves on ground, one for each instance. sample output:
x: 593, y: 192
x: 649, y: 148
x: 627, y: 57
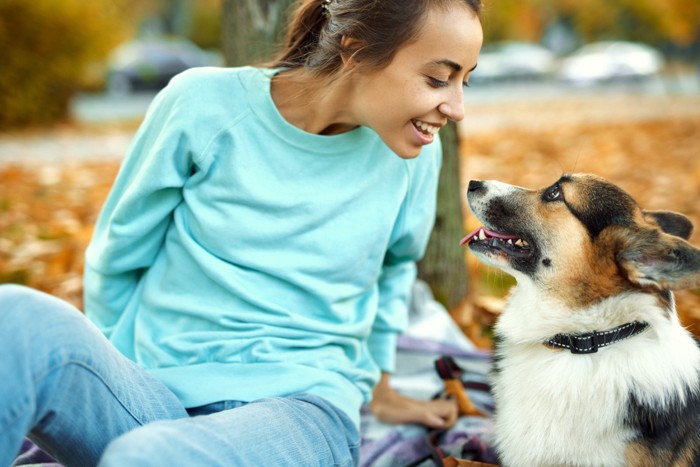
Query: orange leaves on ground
x: 46, y: 218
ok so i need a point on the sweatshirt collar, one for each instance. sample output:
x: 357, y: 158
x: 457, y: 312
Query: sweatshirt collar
x: 258, y: 84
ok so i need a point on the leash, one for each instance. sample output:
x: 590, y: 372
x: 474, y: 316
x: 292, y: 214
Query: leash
x: 451, y: 375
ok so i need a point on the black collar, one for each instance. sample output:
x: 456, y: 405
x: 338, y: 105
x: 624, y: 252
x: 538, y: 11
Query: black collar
x: 590, y: 342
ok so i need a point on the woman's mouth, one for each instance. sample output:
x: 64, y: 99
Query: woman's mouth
x: 425, y: 131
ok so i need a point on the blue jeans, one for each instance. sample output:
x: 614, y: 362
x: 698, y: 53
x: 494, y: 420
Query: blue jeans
x: 80, y: 400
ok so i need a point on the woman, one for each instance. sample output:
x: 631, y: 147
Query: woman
x: 255, y: 255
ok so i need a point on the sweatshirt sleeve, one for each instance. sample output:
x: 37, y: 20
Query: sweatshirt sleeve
x: 409, y: 243
x: 131, y: 227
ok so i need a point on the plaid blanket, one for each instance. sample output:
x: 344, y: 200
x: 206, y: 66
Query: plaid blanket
x: 431, y: 333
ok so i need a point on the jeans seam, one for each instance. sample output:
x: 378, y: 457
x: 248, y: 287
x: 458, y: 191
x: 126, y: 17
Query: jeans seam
x: 337, y: 413
x: 13, y: 419
x: 97, y: 375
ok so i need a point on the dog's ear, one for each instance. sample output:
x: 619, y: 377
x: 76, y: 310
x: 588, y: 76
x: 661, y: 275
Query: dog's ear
x: 672, y: 223
x: 650, y: 257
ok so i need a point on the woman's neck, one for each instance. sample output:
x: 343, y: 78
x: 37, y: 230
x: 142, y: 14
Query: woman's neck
x: 318, y: 106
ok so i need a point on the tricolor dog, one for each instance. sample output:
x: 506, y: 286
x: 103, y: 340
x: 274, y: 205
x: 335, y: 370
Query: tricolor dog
x: 592, y: 366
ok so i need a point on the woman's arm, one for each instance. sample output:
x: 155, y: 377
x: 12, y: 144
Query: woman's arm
x: 395, y: 284
x: 133, y: 222
x: 391, y: 407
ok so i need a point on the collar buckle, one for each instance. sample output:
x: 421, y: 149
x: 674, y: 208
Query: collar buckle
x: 584, y: 344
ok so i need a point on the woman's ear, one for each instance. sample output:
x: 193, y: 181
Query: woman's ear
x: 349, y: 48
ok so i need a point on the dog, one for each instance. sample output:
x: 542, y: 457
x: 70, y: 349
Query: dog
x: 591, y: 364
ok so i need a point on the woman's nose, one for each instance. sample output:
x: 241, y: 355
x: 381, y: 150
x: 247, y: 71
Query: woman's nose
x: 453, y: 107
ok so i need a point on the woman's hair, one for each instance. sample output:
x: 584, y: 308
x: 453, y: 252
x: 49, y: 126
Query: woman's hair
x: 313, y: 38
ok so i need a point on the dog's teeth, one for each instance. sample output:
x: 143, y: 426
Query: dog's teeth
x: 482, y: 235
x: 525, y: 243
x: 519, y: 242
x: 510, y: 242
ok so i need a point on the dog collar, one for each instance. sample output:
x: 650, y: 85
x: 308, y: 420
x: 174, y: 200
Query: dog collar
x: 590, y: 342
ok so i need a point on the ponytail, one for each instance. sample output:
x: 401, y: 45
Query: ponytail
x: 302, y: 35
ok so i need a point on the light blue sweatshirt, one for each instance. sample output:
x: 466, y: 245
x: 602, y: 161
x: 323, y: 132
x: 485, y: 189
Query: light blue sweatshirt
x: 239, y: 257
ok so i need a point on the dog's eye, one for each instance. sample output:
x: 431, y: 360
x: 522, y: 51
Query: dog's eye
x: 553, y: 193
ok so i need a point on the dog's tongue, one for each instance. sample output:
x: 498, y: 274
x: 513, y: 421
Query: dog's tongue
x: 468, y: 238
x: 487, y: 232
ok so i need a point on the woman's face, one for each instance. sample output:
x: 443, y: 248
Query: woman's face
x: 410, y: 99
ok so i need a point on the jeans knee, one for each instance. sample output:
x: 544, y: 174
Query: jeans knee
x: 143, y: 446
x: 18, y: 298
x: 14, y: 320
x: 120, y: 452
x: 14, y: 295
x: 31, y: 317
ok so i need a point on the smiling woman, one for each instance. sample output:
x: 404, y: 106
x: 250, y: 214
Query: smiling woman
x: 405, y: 94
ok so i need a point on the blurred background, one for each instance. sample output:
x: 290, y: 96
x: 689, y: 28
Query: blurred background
x: 604, y: 86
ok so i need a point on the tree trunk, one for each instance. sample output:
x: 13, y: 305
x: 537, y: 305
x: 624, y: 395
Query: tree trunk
x: 250, y: 30
x: 444, y: 267
x: 177, y: 17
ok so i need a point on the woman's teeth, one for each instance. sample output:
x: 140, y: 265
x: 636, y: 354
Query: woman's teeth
x: 426, y: 128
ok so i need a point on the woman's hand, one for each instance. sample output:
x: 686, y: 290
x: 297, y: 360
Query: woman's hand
x: 391, y: 407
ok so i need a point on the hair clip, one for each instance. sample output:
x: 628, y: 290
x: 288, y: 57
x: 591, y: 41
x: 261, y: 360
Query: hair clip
x: 326, y: 7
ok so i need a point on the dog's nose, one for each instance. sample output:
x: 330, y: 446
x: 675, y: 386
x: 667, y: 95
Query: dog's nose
x: 476, y: 185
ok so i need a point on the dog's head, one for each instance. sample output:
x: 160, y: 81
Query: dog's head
x: 582, y: 237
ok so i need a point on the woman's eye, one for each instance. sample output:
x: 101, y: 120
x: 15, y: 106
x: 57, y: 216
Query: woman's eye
x: 437, y: 83
x: 553, y: 193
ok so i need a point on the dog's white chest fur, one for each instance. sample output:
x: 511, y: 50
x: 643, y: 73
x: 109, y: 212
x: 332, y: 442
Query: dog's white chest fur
x: 554, y: 406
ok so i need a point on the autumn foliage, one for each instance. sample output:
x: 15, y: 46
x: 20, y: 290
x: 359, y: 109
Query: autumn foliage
x: 651, y: 21
x: 46, y: 218
x: 45, y: 48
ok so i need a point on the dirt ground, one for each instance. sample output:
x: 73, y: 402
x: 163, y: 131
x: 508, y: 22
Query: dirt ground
x: 650, y: 146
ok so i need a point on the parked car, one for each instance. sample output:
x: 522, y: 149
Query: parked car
x: 610, y: 61
x: 513, y: 60
x: 149, y: 64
